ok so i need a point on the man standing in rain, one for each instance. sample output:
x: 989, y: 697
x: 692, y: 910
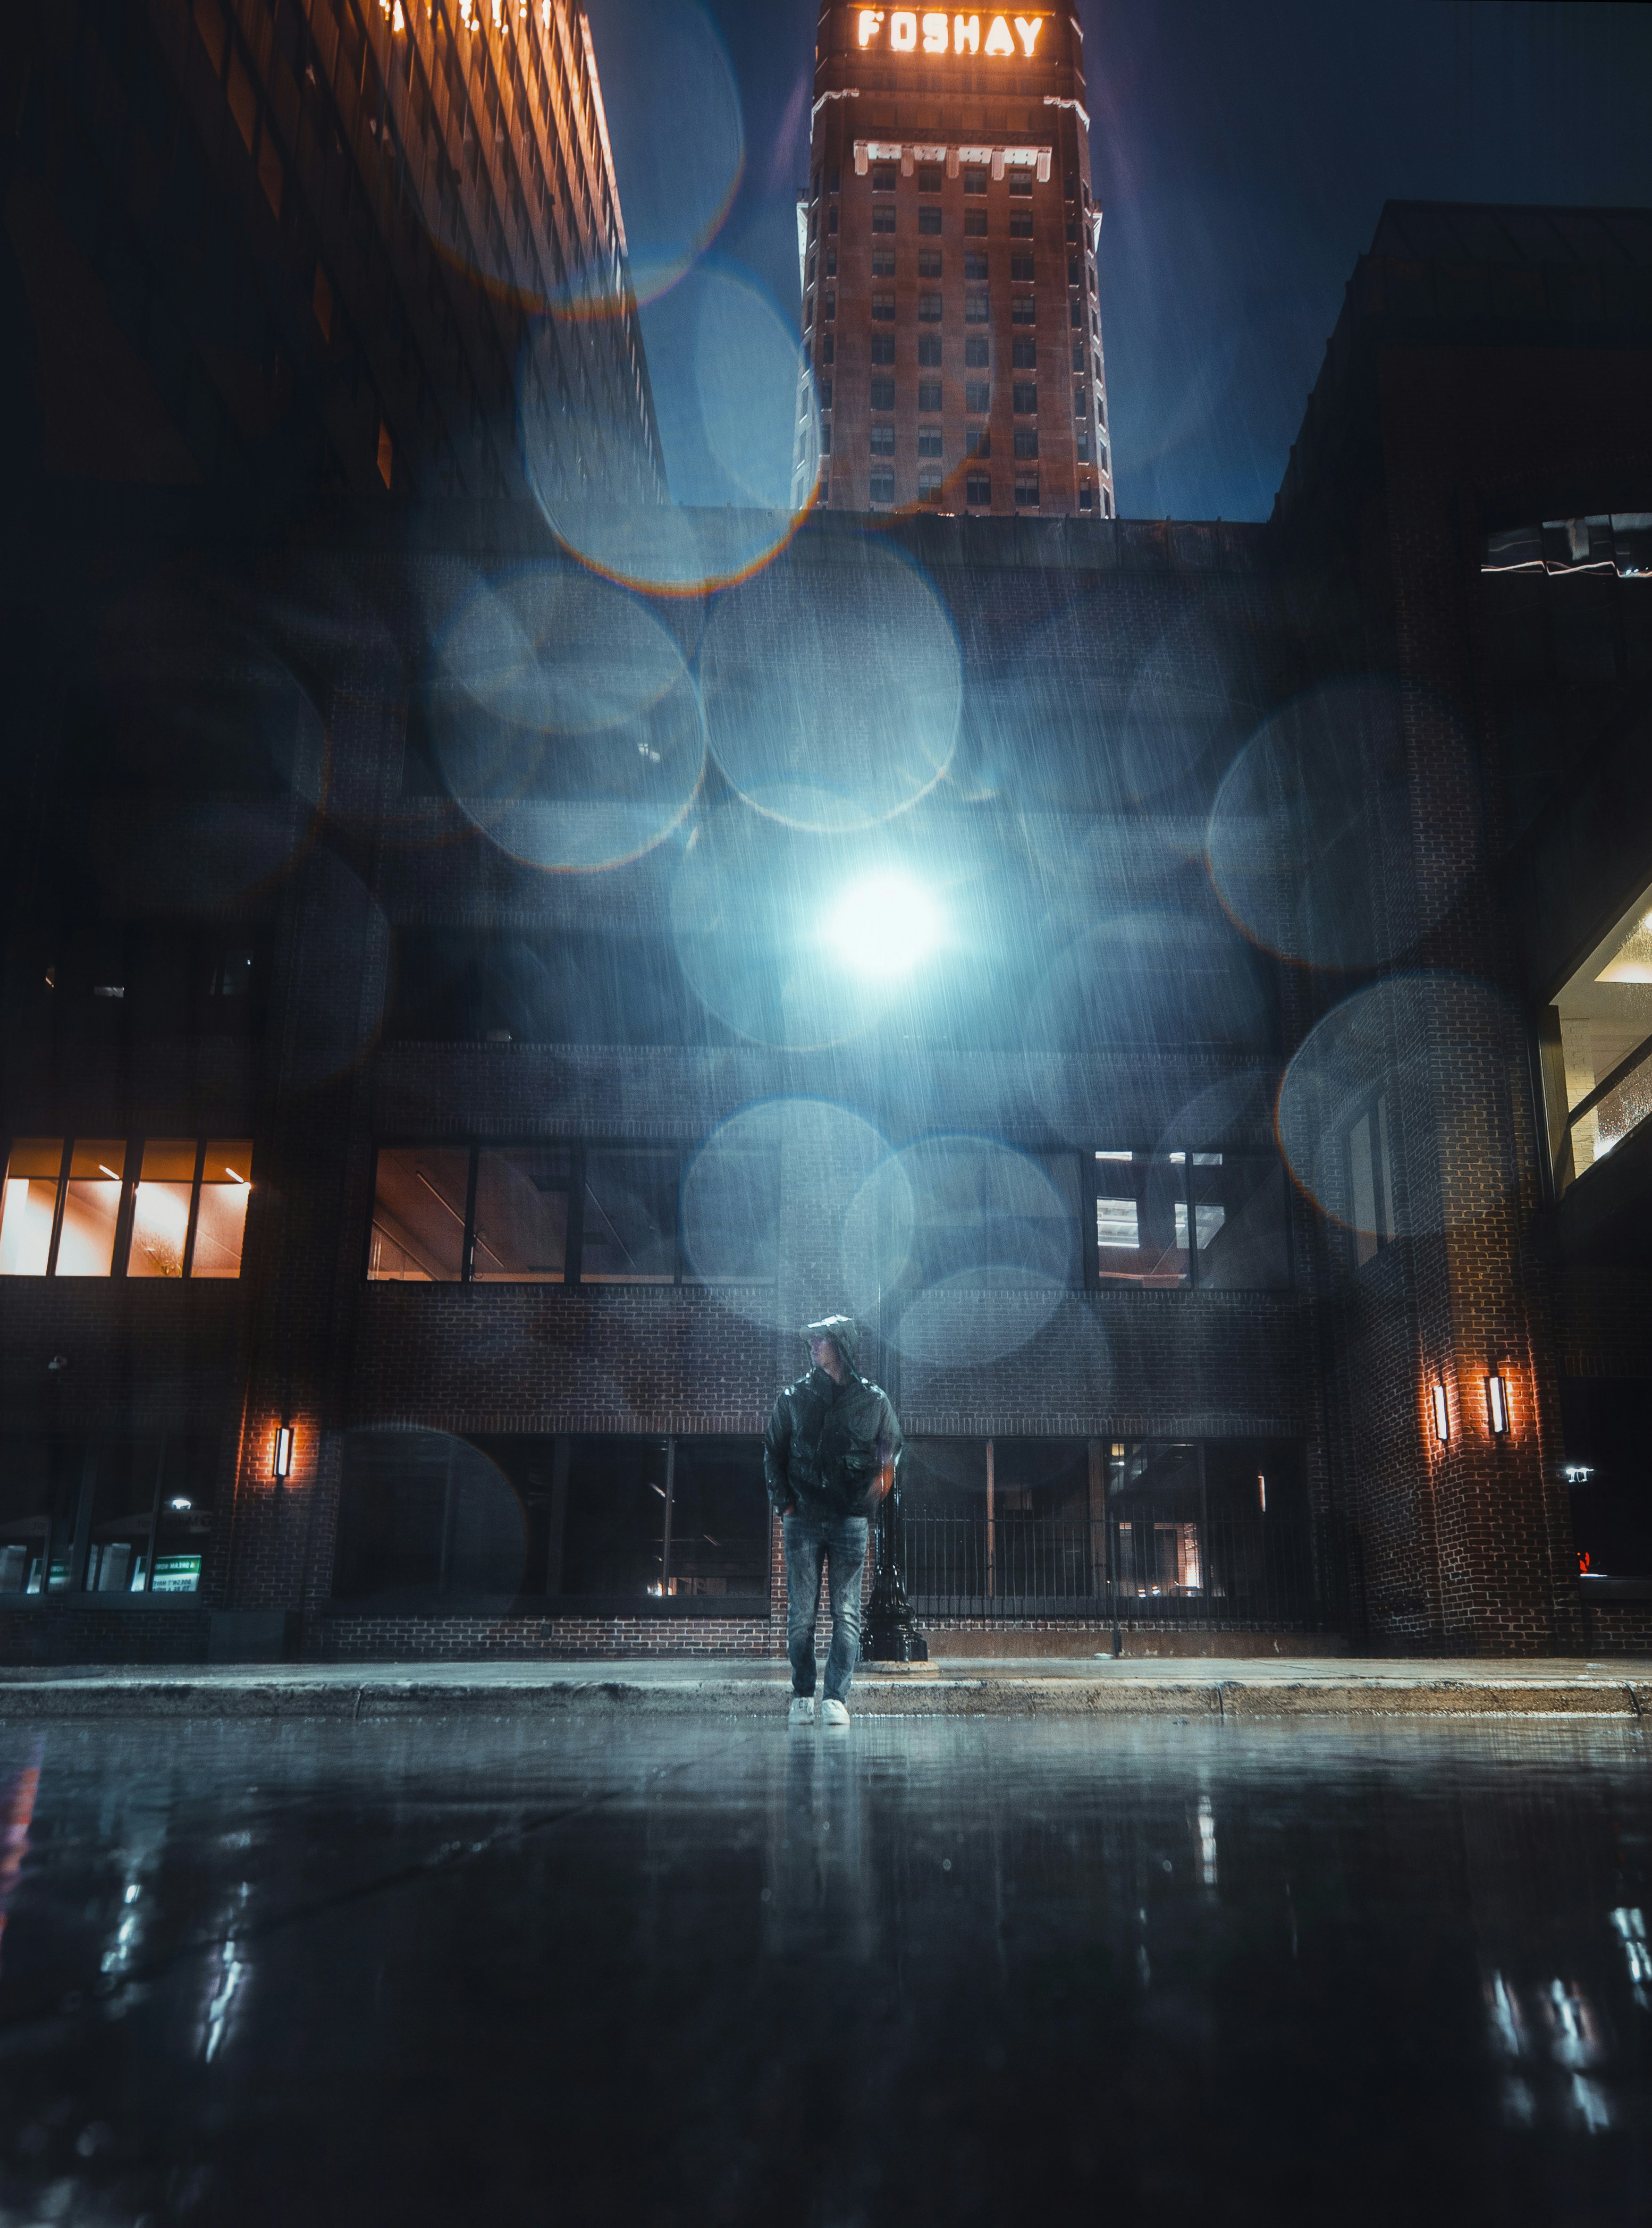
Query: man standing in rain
x: 828, y: 1455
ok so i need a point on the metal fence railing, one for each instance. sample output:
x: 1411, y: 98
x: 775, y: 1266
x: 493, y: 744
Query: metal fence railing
x: 1214, y: 1571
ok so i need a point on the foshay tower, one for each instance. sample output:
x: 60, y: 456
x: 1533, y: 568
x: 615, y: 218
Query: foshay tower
x: 947, y: 246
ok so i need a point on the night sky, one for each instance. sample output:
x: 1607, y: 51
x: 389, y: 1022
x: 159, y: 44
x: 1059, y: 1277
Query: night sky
x: 1241, y: 156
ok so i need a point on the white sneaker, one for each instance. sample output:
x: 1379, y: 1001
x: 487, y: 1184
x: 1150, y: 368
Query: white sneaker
x: 833, y: 1713
x: 802, y: 1711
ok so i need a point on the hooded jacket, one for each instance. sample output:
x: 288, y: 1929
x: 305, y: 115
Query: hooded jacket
x: 826, y: 1445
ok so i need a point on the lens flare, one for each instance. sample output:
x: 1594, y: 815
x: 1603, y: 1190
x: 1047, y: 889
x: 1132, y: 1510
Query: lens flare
x: 886, y: 924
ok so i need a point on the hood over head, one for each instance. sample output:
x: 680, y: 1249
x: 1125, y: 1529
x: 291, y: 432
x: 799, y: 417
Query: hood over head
x: 842, y: 1330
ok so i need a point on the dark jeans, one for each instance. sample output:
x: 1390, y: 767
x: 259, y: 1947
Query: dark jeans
x: 840, y: 1541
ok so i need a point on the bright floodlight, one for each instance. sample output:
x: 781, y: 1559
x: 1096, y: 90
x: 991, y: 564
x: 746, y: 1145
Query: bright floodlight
x: 885, y: 924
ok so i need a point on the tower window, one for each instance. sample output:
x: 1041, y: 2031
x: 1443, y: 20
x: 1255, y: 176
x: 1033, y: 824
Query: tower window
x: 977, y: 488
x: 1021, y: 183
x: 929, y: 309
x: 1027, y: 492
x: 977, y: 353
x: 975, y: 178
x: 1025, y: 441
x: 929, y: 351
x: 883, y: 440
x: 883, y: 347
x: 975, y: 224
x: 929, y: 220
x: 883, y: 394
x: 1087, y: 498
x: 1023, y: 310
x: 929, y: 482
x: 883, y: 263
x: 929, y: 441
x: 929, y: 180
x: 883, y: 217
x: 1025, y: 399
x: 977, y: 441
x: 1024, y: 354
x: 975, y: 267
x: 929, y: 263
x: 883, y: 309
x: 1022, y: 267
x: 883, y: 180
x: 929, y: 396
x: 882, y: 488
x: 1020, y: 224
x: 978, y: 397
x: 977, y: 310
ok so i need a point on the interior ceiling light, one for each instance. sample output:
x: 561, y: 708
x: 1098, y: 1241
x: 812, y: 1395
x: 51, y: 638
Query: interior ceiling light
x: 886, y: 924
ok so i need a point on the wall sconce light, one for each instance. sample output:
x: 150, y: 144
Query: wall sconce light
x: 283, y: 1465
x: 1497, y: 1404
x: 1441, y: 1411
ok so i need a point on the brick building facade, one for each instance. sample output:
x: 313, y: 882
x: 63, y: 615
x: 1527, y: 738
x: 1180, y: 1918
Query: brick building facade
x: 1226, y: 1109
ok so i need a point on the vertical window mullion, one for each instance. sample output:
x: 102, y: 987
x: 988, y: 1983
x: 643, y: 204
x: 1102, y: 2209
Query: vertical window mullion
x: 194, y: 1208
x: 60, y: 1203
x: 154, y: 1518
x: 467, y: 1259
x: 1192, y: 1227
x: 670, y: 1491
x: 126, y: 1212
x: 1089, y: 1192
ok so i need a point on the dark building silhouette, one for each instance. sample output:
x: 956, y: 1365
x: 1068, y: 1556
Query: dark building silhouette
x: 1180, y: 984
x: 947, y: 245
x: 281, y: 249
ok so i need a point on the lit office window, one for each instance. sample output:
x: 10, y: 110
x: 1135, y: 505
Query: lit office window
x: 419, y: 1208
x: 161, y: 1208
x: 631, y: 1212
x: 33, y: 1170
x: 522, y: 1214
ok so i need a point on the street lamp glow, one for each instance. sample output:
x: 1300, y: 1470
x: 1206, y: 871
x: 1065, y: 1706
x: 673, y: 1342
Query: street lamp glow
x: 886, y: 925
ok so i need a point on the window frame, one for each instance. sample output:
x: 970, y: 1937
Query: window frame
x: 126, y: 1210
x: 1191, y: 1158
x: 577, y: 1149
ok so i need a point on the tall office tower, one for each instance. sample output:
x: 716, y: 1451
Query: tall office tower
x: 288, y: 242
x: 948, y: 243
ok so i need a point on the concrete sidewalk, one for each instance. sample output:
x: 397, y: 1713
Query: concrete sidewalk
x: 1201, y: 1687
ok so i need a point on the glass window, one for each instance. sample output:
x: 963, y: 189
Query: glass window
x: 1021, y: 182
x: 977, y: 310
x: 978, y: 488
x: 1020, y: 267
x: 882, y: 487
x: 40, y: 1494
x: 1140, y: 1219
x: 883, y: 263
x: 1239, y: 1228
x: 613, y: 1540
x: 522, y: 1214
x: 883, y: 220
x: 882, y: 438
x: 220, y: 1216
x: 929, y: 439
x: 161, y: 1208
x: 929, y: 351
x: 929, y: 221
x: 86, y: 1244
x: 929, y: 308
x: 1156, y: 1521
x: 975, y: 179
x: 974, y: 223
x: 1023, y: 310
x: 883, y: 179
x: 930, y: 480
x: 977, y: 396
x: 731, y: 1215
x: 129, y: 1481
x: 419, y: 1215
x: 1024, y: 355
x: 974, y: 267
x: 427, y: 1512
x: 929, y: 263
x: 883, y: 351
x: 1604, y: 1025
x: 1020, y: 224
x: 1027, y: 442
x: 883, y: 308
x: 977, y: 353
x: 1370, y: 1211
x: 630, y: 1216
x: 720, y: 1520
x: 977, y: 441
x: 33, y: 1168
x: 1025, y: 398
x: 929, y: 181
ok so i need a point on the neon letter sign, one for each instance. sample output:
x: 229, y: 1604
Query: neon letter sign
x: 903, y: 30
x: 998, y: 39
x: 966, y: 31
x: 871, y: 24
x: 934, y: 35
x: 1027, y: 29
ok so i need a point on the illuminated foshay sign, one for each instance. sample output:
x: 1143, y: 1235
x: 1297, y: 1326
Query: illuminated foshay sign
x: 935, y: 31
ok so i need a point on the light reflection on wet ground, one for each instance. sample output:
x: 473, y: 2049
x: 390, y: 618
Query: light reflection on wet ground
x: 936, y: 1970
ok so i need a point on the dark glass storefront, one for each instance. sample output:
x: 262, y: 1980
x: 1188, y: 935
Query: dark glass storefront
x: 114, y: 1516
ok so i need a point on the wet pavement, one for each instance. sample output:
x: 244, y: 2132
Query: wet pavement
x: 933, y: 1969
